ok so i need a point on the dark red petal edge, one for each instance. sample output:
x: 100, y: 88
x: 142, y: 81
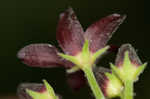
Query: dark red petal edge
x: 101, y: 31
x: 21, y: 91
x: 101, y: 78
x: 40, y: 55
x: 69, y: 33
x: 132, y: 55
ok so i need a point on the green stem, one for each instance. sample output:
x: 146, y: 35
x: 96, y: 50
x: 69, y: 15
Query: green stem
x: 128, y: 90
x: 93, y: 83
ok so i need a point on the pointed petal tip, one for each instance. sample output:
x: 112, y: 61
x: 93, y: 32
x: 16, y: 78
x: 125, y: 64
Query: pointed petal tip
x: 21, y: 54
x: 68, y: 11
x: 132, y: 55
x: 101, y: 31
x: 118, y: 17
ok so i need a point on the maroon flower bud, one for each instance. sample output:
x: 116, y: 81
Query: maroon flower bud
x: 37, y: 87
x: 110, y: 85
x: 128, y: 66
x: 21, y: 92
x: 133, y: 57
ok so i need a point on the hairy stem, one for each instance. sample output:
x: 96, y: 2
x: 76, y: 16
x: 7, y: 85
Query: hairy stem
x: 93, y: 83
x: 128, y: 90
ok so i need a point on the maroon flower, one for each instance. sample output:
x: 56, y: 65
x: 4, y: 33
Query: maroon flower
x: 71, y: 37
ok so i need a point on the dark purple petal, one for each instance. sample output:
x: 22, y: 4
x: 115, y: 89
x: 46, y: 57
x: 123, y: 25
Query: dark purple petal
x: 101, y: 78
x: 21, y: 91
x: 101, y: 31
x: 69, y: 33
x: 40, y: 55
x: 76, y: 80
x: 132, y: 55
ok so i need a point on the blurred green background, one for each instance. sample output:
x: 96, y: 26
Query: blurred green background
x: 23, y: 22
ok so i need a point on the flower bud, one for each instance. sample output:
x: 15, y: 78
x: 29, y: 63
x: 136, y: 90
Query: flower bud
x: 110, y: 85
x: 21, y: 91
x: 36, y: 91
x: 128, y: 65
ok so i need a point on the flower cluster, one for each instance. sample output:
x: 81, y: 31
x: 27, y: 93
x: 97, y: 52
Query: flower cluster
x: 82, y: 50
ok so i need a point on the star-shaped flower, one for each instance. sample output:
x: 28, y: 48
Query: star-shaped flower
x: 71, y: 38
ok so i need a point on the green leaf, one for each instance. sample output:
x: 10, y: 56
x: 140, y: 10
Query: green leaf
x: 70, y: 58
x: 49, y: 89
x: 139, y: 70
x: 99, y: 53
